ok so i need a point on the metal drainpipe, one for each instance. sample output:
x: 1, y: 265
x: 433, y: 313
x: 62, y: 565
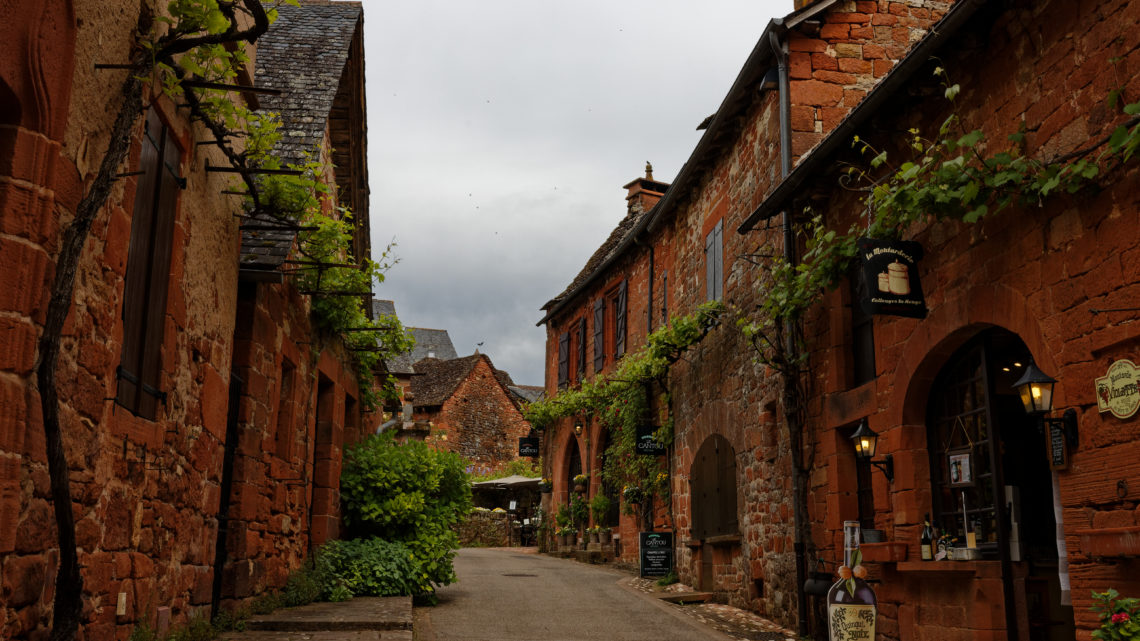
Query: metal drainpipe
x: 780, y: 52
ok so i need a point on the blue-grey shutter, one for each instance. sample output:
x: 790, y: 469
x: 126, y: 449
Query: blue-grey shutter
x: 619, y: 319
x: 599, y: 334
x: 563, y: 359
x: 581, y: 348
x: 714, y: 263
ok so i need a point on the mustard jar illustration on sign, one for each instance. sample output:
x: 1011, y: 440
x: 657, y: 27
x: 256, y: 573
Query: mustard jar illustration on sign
x: 896, y: 280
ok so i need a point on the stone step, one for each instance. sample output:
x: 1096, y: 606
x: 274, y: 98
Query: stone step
x: 686, y: 597
x: 342, y: 635
x: 360, y: 614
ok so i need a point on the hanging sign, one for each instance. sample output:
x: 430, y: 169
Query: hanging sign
x: 890, y: 277
x: 528, y: 446
x: 646, y: 444
x: 656, y: 553
x: 1055, y: 446
x: 1117, y: 390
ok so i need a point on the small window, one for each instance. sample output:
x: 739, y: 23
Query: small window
x: 148, y: 270
x: 563, y: 359
x: 714, y: 263
x: 599, y: 334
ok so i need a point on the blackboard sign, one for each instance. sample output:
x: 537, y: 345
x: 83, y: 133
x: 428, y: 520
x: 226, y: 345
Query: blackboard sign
x: 890, y: 282
x: 656, y: 553
x: 1055, y: 445
x: 528, y: 446
x: 646, y: 444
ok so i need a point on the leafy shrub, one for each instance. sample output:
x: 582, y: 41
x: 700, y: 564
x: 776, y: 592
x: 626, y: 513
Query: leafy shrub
x: 579, y: 511
x: 562, y: 517
x: 368, y: 567
x: 1118, y: 617
x: 407, y: 493
x: 600, y: 507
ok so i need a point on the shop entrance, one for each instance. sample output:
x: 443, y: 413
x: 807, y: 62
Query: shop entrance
x: 990, y: 480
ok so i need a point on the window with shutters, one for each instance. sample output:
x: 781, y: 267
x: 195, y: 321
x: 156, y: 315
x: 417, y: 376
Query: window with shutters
x: 713, y: 487
x: 579, y: 369
x: 714, y: 263
x: 148, y: 270
x: 862, y: 334
x: 619, y: 302
x: 599, y: 335
x: 563, y: 359
x: 286, y: 406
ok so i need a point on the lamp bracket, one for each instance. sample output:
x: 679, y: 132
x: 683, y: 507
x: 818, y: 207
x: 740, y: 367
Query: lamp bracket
x: 887, y: 466
x: 1068, y: 424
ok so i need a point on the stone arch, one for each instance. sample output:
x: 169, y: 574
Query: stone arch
x: 37, y: 62
x: 950, y: 326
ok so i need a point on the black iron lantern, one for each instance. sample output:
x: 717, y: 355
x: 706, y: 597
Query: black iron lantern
x: 1036, y: 390
x: 866, y: 442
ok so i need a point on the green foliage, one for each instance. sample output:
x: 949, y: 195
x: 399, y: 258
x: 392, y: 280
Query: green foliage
x: 304, y: 200
x: 948, y: 176
x: 579, y: 510
x: 620, y: 400
x: 563, y: 517
x: 668, y: 579
x: 369, y: 567
x: 409, y: 493
x: 1118, y: 620
x: 530, y: 468
x: 599, y: 507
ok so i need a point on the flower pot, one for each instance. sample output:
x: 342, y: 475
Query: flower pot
x: 605, y: 538
x: 594, y: 537
x: 579, y: 488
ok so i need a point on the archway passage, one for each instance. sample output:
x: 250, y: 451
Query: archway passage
x: 990, y: 478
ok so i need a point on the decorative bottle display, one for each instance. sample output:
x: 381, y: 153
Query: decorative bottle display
x: 926, y: 540
x: 851, y: 608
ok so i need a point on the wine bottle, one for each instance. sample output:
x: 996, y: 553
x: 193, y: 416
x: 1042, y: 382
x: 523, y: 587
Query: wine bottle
x: 851, y: 608
x: 926, y: 540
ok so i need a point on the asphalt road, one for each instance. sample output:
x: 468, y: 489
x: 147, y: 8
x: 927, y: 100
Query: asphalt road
x: 505, y: 595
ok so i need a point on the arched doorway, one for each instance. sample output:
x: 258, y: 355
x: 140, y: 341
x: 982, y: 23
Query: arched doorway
x: 713, y: 500
x: 990, y: 478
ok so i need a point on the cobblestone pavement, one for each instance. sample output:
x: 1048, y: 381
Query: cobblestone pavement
x: 735, y: 623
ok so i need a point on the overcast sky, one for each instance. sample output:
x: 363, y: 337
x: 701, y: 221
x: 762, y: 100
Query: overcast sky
x: 500, y: 133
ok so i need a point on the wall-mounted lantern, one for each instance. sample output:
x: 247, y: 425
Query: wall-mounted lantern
x: 1036, y: 390
x: 866, y: 442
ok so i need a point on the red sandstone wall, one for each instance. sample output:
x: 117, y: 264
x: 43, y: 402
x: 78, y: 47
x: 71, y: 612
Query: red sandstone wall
x: 1036, y: 271
x: 480, y: 420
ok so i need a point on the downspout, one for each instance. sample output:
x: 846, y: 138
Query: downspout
x: 799, y: 516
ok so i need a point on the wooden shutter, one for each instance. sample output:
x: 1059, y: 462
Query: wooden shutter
x: 148, y: 271
x: 714, y: 262
x: 726, y: 490
x: 619, y: 319
x: 563, y: 359
x: 599, y: 334
x: 581, y: 348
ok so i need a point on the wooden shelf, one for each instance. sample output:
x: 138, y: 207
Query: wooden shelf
x: 956, y: 567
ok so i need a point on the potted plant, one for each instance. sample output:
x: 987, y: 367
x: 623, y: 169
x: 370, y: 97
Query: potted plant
x: 566, y: 536
x: 581, y: 481
x: 600, y: 507
x: 631, y: 494
x: 546, y: 486
x: 605, y: 535
x: 595, y: 533
x: 579, y: 512
x: 563, y: 517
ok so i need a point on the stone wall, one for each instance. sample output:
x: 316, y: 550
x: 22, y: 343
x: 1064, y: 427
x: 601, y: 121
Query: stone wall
x: 484, y: 528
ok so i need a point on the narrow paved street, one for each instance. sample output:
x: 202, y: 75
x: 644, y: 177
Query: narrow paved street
x: 506, y: 595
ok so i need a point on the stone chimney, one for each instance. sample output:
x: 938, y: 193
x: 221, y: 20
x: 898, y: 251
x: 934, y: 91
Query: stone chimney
x: 643, y: 193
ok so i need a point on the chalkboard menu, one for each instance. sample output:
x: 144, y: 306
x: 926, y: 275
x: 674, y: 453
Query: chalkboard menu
x: 1055, y: 444
x: 528, y: 446
x: 646, y: 444
x: 656, y: 553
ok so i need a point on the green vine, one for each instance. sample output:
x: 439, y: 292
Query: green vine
x: 620, y: 401
x: 303, y: 200
x: 946, y: 177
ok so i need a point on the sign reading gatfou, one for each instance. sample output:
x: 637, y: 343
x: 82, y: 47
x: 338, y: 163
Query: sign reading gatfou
x: 1117, y: 390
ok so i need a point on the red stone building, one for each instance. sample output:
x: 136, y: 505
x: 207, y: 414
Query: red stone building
x: 470, y: 409
x: 203, y: 413
x: 1055, y: 284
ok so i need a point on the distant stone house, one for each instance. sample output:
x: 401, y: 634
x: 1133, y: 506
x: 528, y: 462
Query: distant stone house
x: 203, y: 413
x: 471, y: 409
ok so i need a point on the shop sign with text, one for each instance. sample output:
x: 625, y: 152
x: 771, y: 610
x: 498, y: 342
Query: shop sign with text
x: 890, y: 278
x: 646, y: 443
x: 1117, y: 390
x: 656, y: 553
x: 528, y: 446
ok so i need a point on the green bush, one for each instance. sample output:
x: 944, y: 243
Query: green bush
x: 599, y: 507
x: 368, y: 567
x: 407, y: 493
x: 563, y: 517
x: 579, y: 511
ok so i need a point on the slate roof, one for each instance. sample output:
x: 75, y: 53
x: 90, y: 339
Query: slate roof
x: 528, y: 393
x: 431, y: 342
x: 402, y: 363
x: 438, y: 379
x: 303, y: 54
